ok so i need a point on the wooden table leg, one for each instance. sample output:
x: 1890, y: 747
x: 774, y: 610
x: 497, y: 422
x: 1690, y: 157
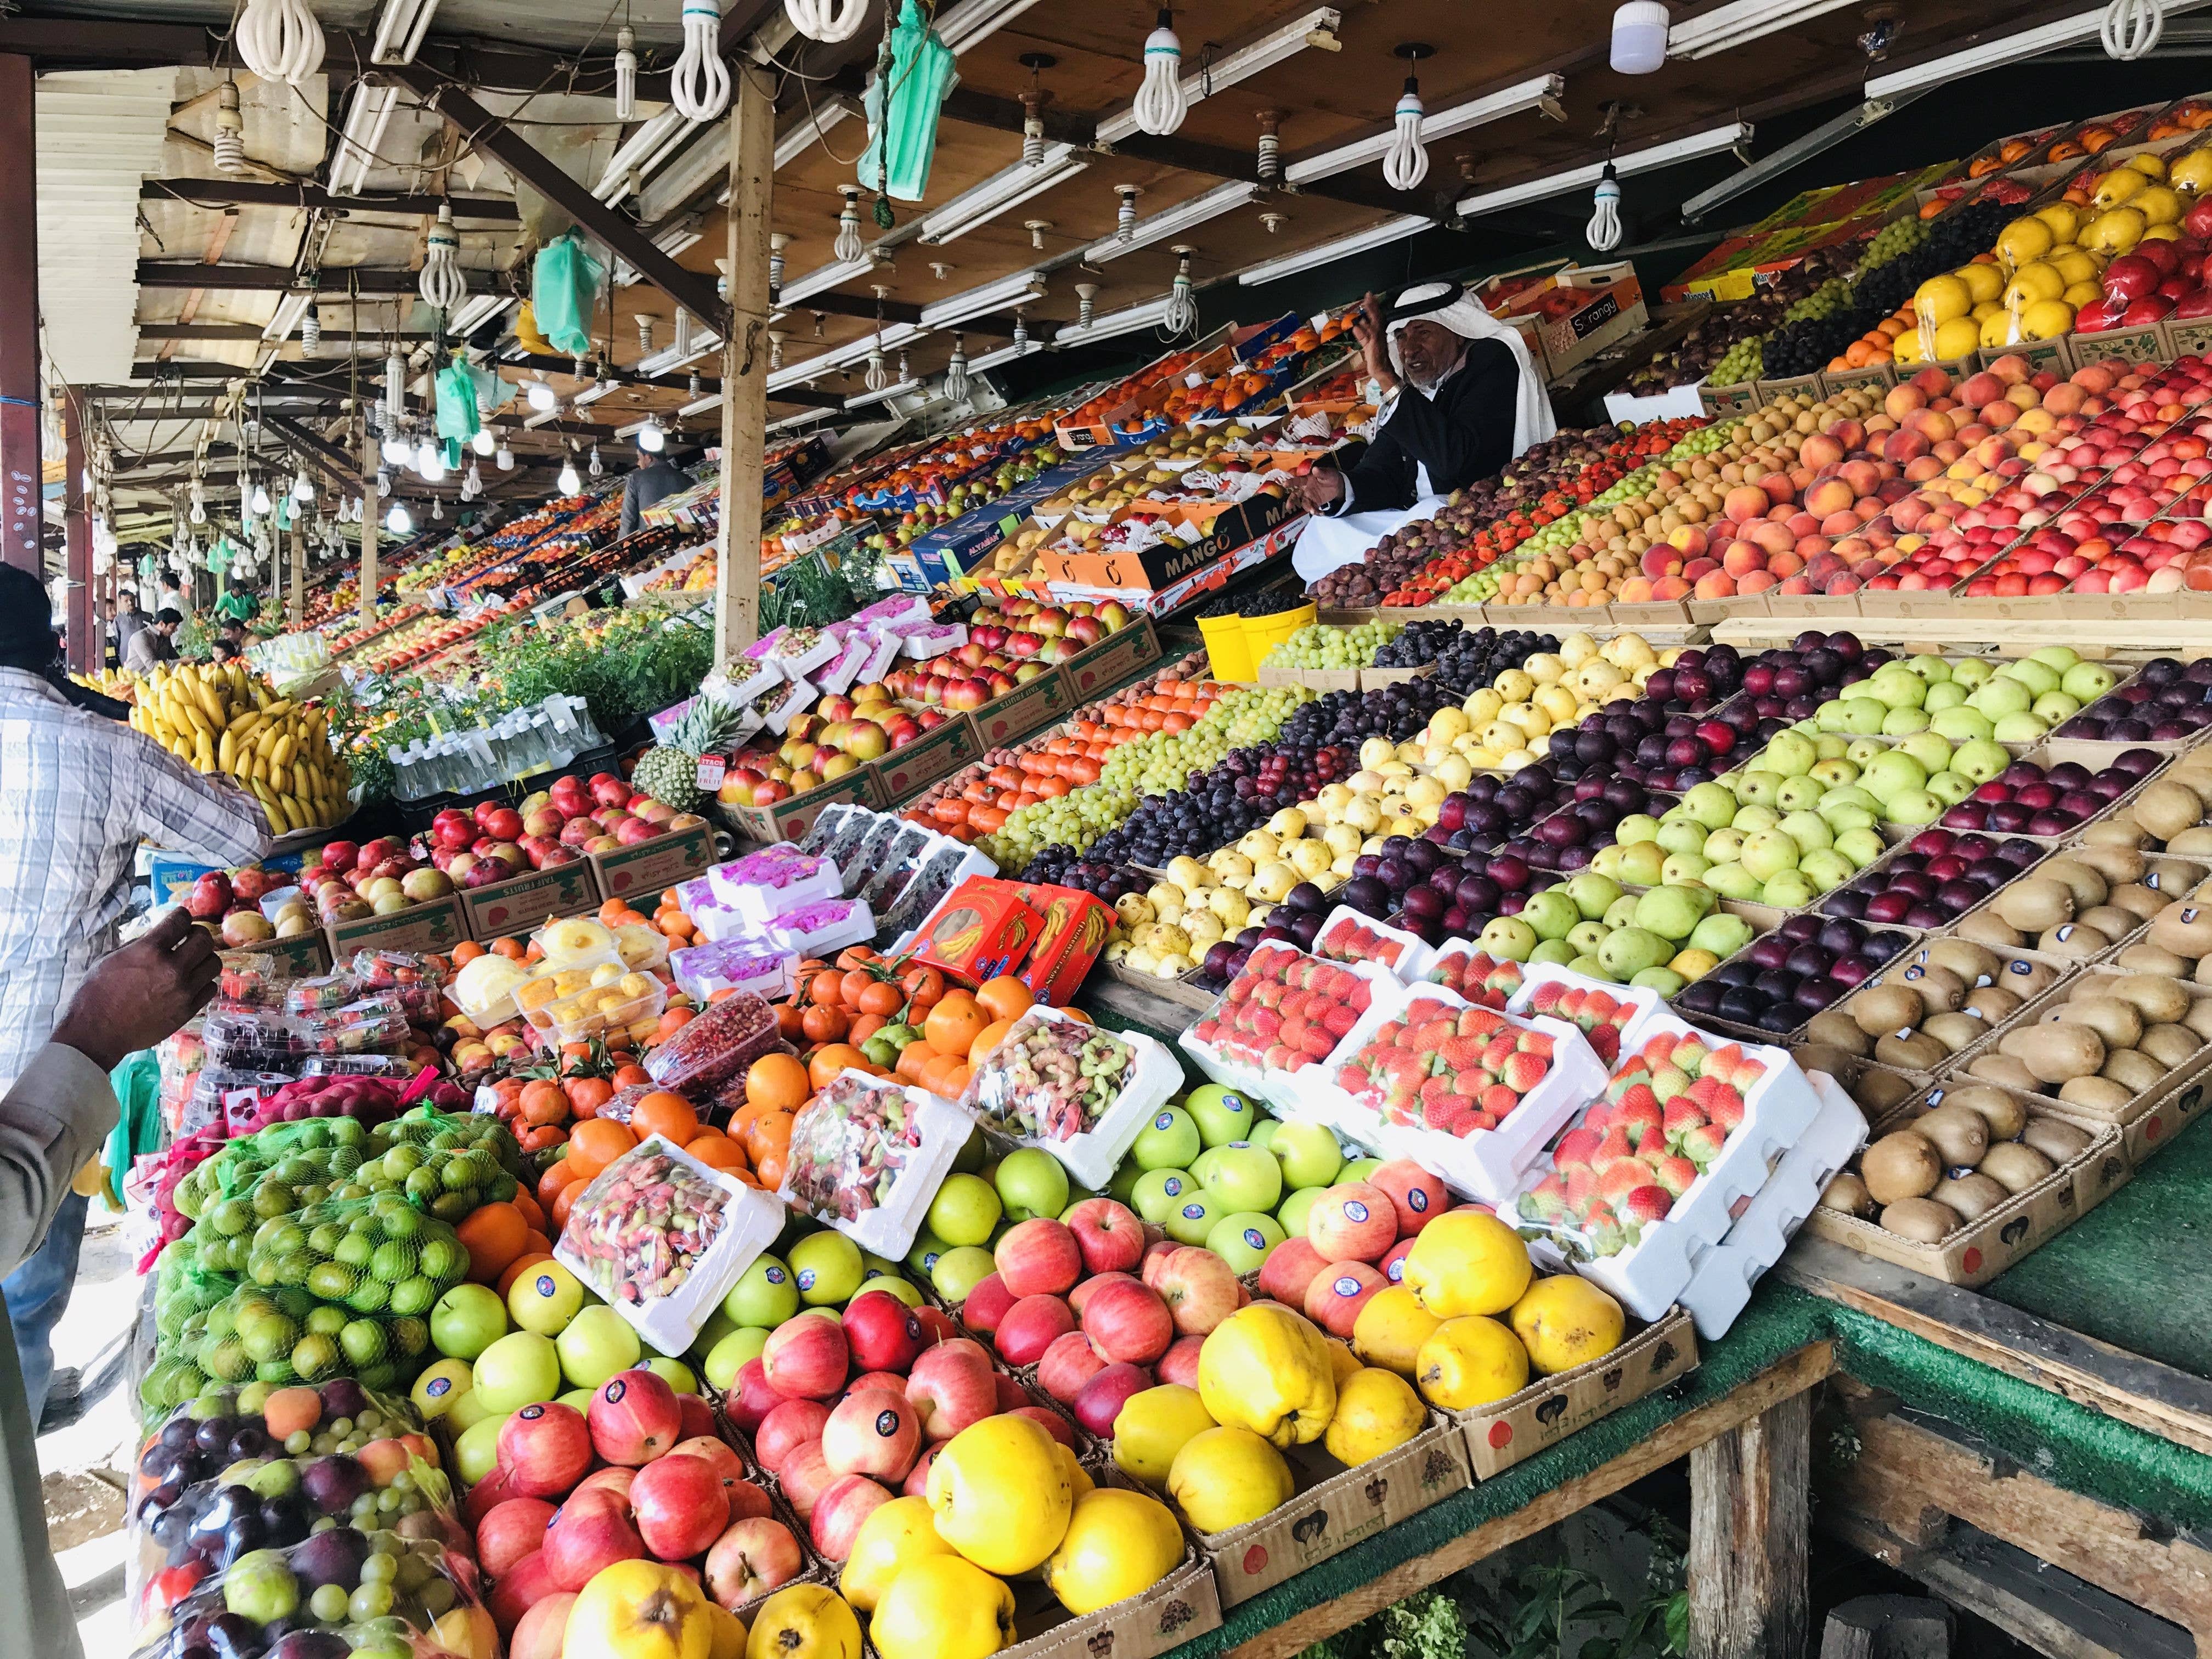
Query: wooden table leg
x: 1749, y: 1520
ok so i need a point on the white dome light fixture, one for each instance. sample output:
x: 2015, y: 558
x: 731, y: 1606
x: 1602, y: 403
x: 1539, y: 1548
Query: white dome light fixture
x: 1405, y: 163
x: 1639, y: 37
x: 303, y: 487
x: 484, y: 443
x: 650, y: 438
x: 261, y: 503
x: 1161, y: 105
x: 396, y: 520
x: 570, y: 483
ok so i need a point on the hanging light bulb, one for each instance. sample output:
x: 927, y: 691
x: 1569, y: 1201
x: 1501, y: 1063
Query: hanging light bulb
x: 1125, y: 221
x: 645, y: 321
x: 383, y: 482
x: 540, y: 396
x: 1181, y: 314
x: 311, y: 329
x: 775, y: 339
x: 1639, y: 37
x: 396, y: 520
x: 484, y: 443
x: 437, y: 507
x: 1270, y: 166
x: 827, y: 20
x: 848, y: 246
x: 650, y: 438
x: 777, y: 241
x: 394, y: 449
x: 1160, y: 104
x: 692, y: 390
x: 878, y: 376
x: 279, y: 40
x: 904, y: 375
x: 199, y: 506
x: 229, y: 130
x: 303, y: 487
x: 1407, y: 162
x: 353, y: 512
x: 395, y: 387
x: 1086, y: 297
x: 956, y: 372
x: 569, y: 482
x: 505, y: 459
x: 260, y: 500
x: 431, y: 461
x: 1021, y: 333
x: 441, y: 284
x: 2131, y: 28
x: 1603, y: 230
x: 473, y: 484
x: 625, y: 74
x: 1033, y: 103
x: 699, y: 86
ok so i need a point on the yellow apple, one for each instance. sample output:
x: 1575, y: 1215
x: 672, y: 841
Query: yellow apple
x: 894, y: 1535
x: 641, y: 1610
x: 803, y: 1622
x: 1000, y: 1493
x: 943, y: 1607
x: 1151, y: 1428
x: 1119, y: 1544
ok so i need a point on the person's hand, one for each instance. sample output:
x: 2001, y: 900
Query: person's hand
x: 143, y: 993
x: 1370, y: 329
x: 1322, y: 488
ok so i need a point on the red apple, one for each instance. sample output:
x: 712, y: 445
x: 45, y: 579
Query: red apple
x: 793, y: 1424
x: 1289, y: 1268
x: 754, y: 1397
x: 916, y: 1484
x: 635, y: 1417
x: 952, y: 1387
x: 1337, y: 1294
x: 986, y: 1303
x: 679, y: 1505
x: 513, y: 1530
x: 545, y: 1448
x: 1101, y: 1398
x: 752, y: 1557
x: 1067, y: 1364
x: 1029, y: 1327
x: 1417, y: 1196
x: 520, y: 1587
x: 542, y: 1630
x: 807, y: 1357
x: 614, y: 1479
x: 873, y: 1432
x: 698, y: 1416
x: 592, y: 1531
x: 207, y: 898
x: 1038, y: 1257
x: 1048, y: 1419
x: 1180, y: 1363
x: 728, y: 1464
x: 339, y: 856
x: 850, y: 1500
x: 805, y: 1476
x: 1109, y: 1234
x: 1080, y: 1298
x: 881, y: 1332
x: 1201, y: 1288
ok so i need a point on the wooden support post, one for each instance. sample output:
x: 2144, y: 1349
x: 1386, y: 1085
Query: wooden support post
x: 744, y: 362
x: 295, y: 604
x: 22, y: 509
x: 1749, y: 1520
x: 371, y: 519
x: 76, y: 531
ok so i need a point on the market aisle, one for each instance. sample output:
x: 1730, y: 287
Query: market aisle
x: 85, y: 1466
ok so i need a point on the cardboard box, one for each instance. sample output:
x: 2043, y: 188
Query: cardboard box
x: 169, y: 876
x: 436, y: 926
x: 1182, y: 1605
x: 1151, y: 568
x: 792, y: 818
x: 979, y: 929
x: 1720, y: 402
x: 519, y: 904
x: 1008, y: 719
x: 1076, y: 923
x: 302, y: 956
x: 1336, y: 1507
x: 2153, y: 1131
x: 651, y: 866
x: 1118, y: 656
x: 1512, y: 1430
x: 2132, y: 346
x: 1610, y: 307
x: 908, y: 771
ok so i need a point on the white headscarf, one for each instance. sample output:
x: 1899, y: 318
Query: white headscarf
x: 1533, y: 421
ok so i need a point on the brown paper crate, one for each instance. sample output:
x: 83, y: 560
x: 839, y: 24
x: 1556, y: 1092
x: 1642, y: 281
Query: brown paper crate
x: 908, y: 771
x: 1512, y: 1430
x: 435, y: 927
x: 1115, y: 659
x: 518, y: 905
x: 651, y: 867
x: 790, y: 818
x: 1007, y: 720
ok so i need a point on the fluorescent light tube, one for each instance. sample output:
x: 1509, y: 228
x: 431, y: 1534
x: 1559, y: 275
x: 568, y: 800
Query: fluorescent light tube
x: 1005, y: 354
x: 853, y: 351
x: 1741, y: 21
x: 797, y: 142
x: 2007, y: 49
x: 1437, y: 123
x: 1017, y: 289
x: 648, y: 147
x: 884, y: 396
x: 821, y: 280
x: 703, y: 161
x: 367, y: 116
x: 399, y: 31
x: 1171, y: 221
x: 970, y: 22
x: 1316, y: 28
x: 1001, y: 192
x: 1147, y: 315
x: 1642, y: 160
x: 1390, y: 230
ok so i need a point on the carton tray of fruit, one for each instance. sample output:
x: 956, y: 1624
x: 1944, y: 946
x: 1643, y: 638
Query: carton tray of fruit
x: 1256, y: 1039
x: 1078, y: 1092
x: 1694, y: 1124
x: 1610, y: 1016
x: 1467, y: 1092
x: 867, y: 1156
x: 1348, y: 935
x: 1722, y: 1285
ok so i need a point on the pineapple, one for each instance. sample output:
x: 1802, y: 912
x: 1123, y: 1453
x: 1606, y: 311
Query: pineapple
x: 670, y: 772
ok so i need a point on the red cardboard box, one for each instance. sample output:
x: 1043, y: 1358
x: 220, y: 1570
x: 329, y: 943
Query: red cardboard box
x: 979, y: 930
x: 1075, y: 927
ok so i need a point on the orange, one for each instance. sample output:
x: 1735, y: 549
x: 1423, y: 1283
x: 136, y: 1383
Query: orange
x: 826, y: 989
x: 674, y: 1021
x: 566, y: 1201
x: 538, y: 1243
x: 768, y: 1132
x: 955, y: 1080
x: 521, y: 1264
x: 776, y: 1083
x: 610, y: 912
x: 537, y: 1140
x: 914, y: 1059
x: 717, y: 1152
x: 533, y: 1213
x: 588, y: 1094
x: 466, y: 952
x: 494, y: 1234
x: 557, y: 1175
x: 770, y: 1171
x: 632, y: 1076
x: 509, y: 948
x: 1077, y: 1015
x: 1004, y: 997
x: 855, y: 984
x: 790, y: 1021
x: 595, y: 1143
x: 877, y: 997
x: 935, y: 1069
x: 832, y: 1058
x: 543, y: 1102
x: 987, y: 1039
x: 955, y: 1023
x: 864, y: 1028
x: 665, y: 1115
x: 825, y: 1025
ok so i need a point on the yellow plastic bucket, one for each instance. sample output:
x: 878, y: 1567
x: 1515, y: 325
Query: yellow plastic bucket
x: 1263, y: 633
x: 1226, y: 650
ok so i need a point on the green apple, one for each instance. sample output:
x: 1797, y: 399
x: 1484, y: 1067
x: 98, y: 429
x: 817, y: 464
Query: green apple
x: 973, y: 1151
x: 1125, y: 1180
x: 1243, y: 1238
x: 1170, y: 1141
x: 1265, y: 1131
x: 728, y: 1356
x: 718, y: 1326
x: 960, y: 1270
x: 826, y: 1266
x: 520, y: 1369
x: 1160, y: 1191
x: 922, y: 1258
x: 545, y: 1298
x: 1191, y: 1220
x: 1292, y: 1210
x: 904, y: 1289
x: 440, y: 1388
x: 476, y: 1450
x: 597, y: 1343
x: 466, y: 1411
x: 1359, y: 1168
x: 674, y: 1372
x: 1307, y: 1154
x: 467, y: 1320
x: 1031, y: 1183
x: 763, y: 1295
x: 578, y: 1400
x: 1243, y: 1177
x: 1222, y: 1115
x: 964, y: 1210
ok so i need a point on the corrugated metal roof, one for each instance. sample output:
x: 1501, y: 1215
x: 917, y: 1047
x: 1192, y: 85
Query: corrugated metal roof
x: 99, y: 135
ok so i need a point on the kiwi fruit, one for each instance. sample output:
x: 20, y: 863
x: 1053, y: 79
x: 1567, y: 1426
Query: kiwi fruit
x: 1993, y: 1004
x: 2003, y: 1070
x: 1940, y: 989
x: 2121, y: 831
x: 2053, y: 1052
x: 2199, y: 1017
x: 1876, y: 1091
x: 2138, y: 901
x: 1921, y: 1220
x: 2034, y: 905
x: 2014, y: 1166
x: 2115, y: 864
x: 2144, y: 956
x: 2166, y: 808
x: 1973, y: 1197
x: 2113, y: 922
x: 2183, y: 927
x: 2057, y: 1139
x: 1986, y: 926
x: 2072, y: 941
x: 1901, y: 1165
x: 2025, y: 977
x: 1916, y: 1051
x: 2195, y: 843
x: 2169, y: 1045
x: 1824, y: 1057
x: 2003, y: 1113
x: 2119, y: 1024
x: 2158, y: 998
x: 2088, y: 887
x: 1977, y: 964
x: 1884, y: 1010
x: 2138, y: 1072
x: 1849, y: 1193
x: 1960, y: 1133
x: 1955, y: 1031
x: 1837, y: 1029
x: 2099, y: 1094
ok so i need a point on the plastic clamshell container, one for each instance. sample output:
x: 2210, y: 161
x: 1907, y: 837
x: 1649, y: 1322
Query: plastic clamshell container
x: 763, y: 885
x: 1282, y: 1089
x: 1722, y: 1285
x: 735, y: 965
x: 534, y: 1001
x: 1536, y: 975
x: 588, y: 1014
x: 1486, y: 1165
x: 886, y: 1229
x: 1405, y: 955
x: 1092, y: 1155
x: 1649, y: 1276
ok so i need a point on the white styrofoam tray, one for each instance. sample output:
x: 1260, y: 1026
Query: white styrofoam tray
x: 1281, y: 1090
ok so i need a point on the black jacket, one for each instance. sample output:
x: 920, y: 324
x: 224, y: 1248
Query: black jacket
x: 1464, y: 432
x: 646, y: 486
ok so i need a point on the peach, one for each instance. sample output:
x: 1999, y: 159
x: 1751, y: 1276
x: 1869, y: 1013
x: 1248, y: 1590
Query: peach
x: 2011, y: 368
x: 1658, y: 562
x: 1946, y: 449
x: 1985, y: 388
x: 1758, y: 582
x: 1870, y: 509
x: 1715, y: 585
x: 1932, y: 380
x: 1998, y: 416
x: 2097, y: 378
x: 1786, y: 564
x: 1903, y: 400
x: 1767, y: 534
x: 1697, y: 567
x: 1820, y: 450
x: 1689, y: 540
x: 1904, y: 444
x: 1829, y: 496
x: 1921, y: 468
x: 1849, y: 433
x: 1669, y: 587
x: 1746, y: 502
x: 2065, y: 398
x: 1796, y: 585
x: 1633, y: 590
x: 1842, y: 522
x: 1741, y: 560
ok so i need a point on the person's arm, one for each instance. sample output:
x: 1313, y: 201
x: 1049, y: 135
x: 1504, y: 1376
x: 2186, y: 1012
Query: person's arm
x: 630, y: 511
x: 1465, y: 431
x: 61, y: 1108
x: 214, y: 822
x: 1383, y: 478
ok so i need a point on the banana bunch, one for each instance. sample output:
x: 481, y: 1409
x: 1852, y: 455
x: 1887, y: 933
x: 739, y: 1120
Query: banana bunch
x: 219, y: 717
x: 109, y: 683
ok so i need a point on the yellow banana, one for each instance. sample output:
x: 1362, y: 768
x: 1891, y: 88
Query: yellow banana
x: 226, y: 751
x: 281, y: 754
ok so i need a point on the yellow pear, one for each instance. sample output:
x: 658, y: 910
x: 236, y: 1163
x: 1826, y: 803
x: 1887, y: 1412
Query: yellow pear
x: 1151, y: 1428
x: 1267, y: 1369
x: 1564, y: 1321
x: 1342, y: 1362
x: 800, y: 1621
x: 641, y: 1610
x: 729, y: 1634
x: 1077, y: 1482
x: 1224, y: 1477
x: 1471, y: 1361
x: 943, y: 1608
x: 893, y: 1537
x: 1119, y: 1544
x: 1376, y: 1412
x: 1000, y: 1493
x: 1389, y: 1331
x: 1467, y: 1261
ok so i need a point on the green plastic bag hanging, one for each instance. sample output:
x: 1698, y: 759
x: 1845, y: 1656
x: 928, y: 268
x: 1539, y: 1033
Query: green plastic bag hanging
x: 902, y: 138
x: 564, y: 285
x: 456, y: 389
x: 138, y: 1083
